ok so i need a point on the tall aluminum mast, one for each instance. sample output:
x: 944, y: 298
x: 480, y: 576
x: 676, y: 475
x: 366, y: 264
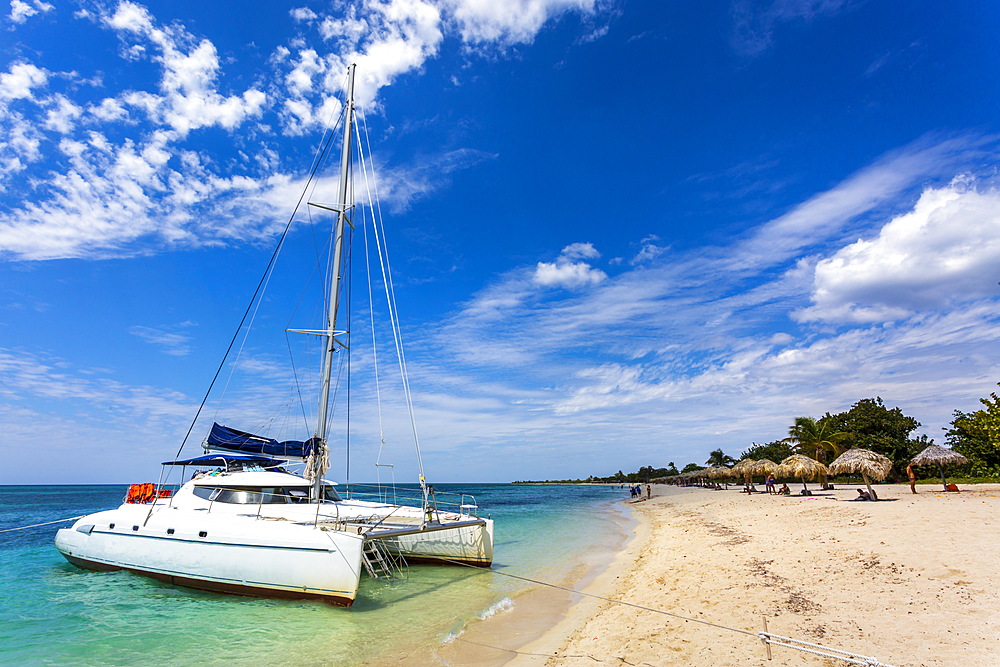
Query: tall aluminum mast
x: 338, y: 247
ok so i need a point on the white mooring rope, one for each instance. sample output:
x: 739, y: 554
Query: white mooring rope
x: 767, y: 638
x: 47, y: 523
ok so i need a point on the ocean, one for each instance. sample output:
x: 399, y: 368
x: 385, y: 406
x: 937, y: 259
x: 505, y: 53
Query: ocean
x: 54, y: 613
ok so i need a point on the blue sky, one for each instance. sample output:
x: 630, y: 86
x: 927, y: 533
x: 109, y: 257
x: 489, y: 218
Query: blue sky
x: 621, y: 233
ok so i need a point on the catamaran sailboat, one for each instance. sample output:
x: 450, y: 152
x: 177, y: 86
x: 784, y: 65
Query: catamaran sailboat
x: 249, y: 526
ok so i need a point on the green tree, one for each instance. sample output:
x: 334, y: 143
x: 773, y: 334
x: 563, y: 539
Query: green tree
x: 692, y: 466
x: 776, y: 451
x: 976, y: 436
x: 816, y: 438
x: 874, y: 426
x: 718, y: 458
x: 671, y: 470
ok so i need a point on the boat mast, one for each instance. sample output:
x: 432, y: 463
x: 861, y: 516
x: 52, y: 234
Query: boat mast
x: 338, y: 246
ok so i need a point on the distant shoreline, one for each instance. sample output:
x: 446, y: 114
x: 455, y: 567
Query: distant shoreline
x: 561, y: 481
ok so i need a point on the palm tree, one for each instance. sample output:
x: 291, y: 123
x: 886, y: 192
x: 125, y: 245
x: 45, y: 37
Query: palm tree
x: 815, y: 438
x: 720, y: 459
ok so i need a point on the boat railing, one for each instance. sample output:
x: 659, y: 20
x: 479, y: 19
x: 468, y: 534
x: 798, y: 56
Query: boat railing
x: 464, y: 504
x: 269, y: 495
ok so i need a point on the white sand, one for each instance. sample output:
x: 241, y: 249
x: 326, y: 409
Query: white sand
x: 911, y: 581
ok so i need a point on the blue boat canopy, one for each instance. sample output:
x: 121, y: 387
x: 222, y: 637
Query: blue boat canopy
x: 229, y: 439
x: 209, y: 459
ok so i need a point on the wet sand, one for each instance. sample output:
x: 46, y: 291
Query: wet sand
x: 535, y: 611
x: 913, y: 580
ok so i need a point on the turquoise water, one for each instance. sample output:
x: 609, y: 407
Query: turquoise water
x: 54, y: 613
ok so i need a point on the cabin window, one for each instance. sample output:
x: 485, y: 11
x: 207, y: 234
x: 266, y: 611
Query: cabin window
x: 243, y: 495
x: 246, y: 495
x: 298, y: 496
x: 301, y: 494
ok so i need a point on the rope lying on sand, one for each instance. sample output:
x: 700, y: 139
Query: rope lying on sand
x: 47, y: 523
x: 767, y: 638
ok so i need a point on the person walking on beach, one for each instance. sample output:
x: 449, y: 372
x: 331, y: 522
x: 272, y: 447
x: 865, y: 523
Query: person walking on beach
x: 913, y: 478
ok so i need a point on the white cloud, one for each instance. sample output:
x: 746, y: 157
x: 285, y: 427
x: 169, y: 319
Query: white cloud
x: 650, y: 356
x: 109, y: 110
x: 172, y: 342
x: 389, y: 38
x: 19, y: 143
x: 564, y: 272
x: 947, y: 249
x: 832, y: 212
x: 29, y: 375
x: 580, y: 251
x: 648, y: 252
x: 754, y: 23
x: 300, y: 79
x: 507, y: 21
x: 20, y: 11
x: 63, y: 115
x: 303, y: 14
x: 20, y: 79
x: 567, y: 274
x: 189, y: 97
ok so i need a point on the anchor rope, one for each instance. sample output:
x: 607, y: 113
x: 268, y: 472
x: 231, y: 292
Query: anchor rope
x: 767, y: 638
x: 47, y: 523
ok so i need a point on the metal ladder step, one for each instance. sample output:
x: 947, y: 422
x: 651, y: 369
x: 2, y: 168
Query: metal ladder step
x: 379, y: 562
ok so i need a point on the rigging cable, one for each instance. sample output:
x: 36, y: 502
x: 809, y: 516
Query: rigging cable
x: 317, y: 161
x: 389, y: 291
x: 371, y: 310
x: 269, y: 273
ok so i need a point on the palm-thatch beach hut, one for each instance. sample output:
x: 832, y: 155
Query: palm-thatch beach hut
x: 742, y: 468
x: 802, y: 467
x: 939, y: 456
x: 868, y: 463
x: 764, y: 467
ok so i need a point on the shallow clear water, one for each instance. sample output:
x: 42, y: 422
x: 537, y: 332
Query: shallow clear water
x: 54, y: 613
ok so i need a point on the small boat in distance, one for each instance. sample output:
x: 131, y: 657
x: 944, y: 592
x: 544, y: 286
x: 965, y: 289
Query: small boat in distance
x: 245, y: 524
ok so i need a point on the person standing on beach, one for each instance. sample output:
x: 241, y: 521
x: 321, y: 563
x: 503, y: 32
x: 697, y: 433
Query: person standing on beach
x: 913, y: 478
x: 770, y: 484
x: 649, y: 492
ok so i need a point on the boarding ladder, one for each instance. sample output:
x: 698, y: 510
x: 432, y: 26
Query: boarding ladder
x: 380, y: 562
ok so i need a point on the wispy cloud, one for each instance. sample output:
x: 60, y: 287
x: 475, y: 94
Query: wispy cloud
x: 666, y: 347
x: 148, y: 190
x: 21, y: 11
x: 754, y: 23
x: 170, y: 339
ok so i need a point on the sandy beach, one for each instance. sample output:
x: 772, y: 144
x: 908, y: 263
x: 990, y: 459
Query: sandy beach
x: 910, y: 580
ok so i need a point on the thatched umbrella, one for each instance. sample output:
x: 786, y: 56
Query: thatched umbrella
x: 764, y: 467
x: 869, y: 464
x: 940, y: 456
x: 802, y: 467
x: 742, y: 469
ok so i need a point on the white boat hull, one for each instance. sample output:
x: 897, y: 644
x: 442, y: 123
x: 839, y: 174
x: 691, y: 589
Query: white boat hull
x: 469, y: 545
x: 231, y: 554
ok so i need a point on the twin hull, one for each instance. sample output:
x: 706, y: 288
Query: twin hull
x: 470, y: 545
x: 244, y: 555
x: 230, y: 554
